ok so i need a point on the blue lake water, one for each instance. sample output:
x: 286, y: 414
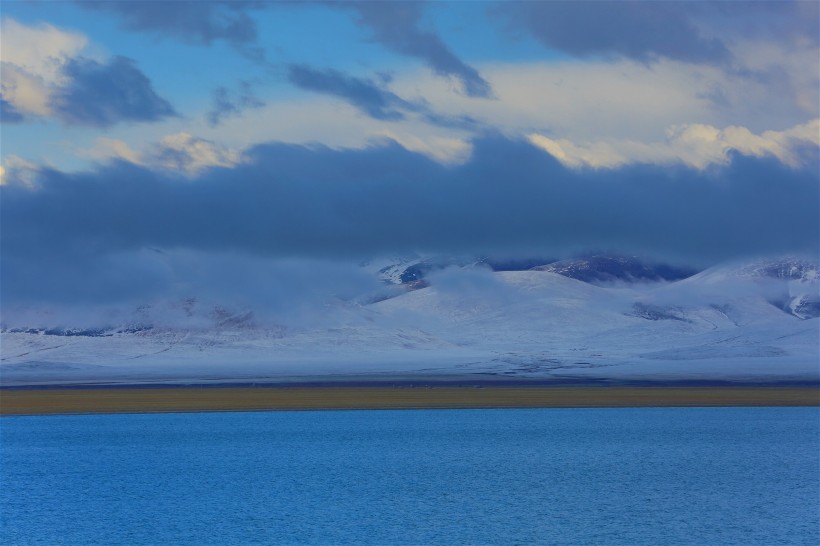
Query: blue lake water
x: 548, y: 476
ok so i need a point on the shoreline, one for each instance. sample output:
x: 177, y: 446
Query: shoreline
x: 399, y: 380
x: 218, y: 398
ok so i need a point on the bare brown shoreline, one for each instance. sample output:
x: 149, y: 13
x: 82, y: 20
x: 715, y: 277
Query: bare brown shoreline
x: 34, y: 401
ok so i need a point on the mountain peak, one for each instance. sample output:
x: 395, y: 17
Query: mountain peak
x: 607, y: 268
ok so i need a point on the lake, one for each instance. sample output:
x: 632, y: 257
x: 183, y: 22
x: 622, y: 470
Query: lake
x: 523, y: 476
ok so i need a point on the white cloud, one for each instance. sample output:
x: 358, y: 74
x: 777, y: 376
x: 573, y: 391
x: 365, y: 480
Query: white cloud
x: 21, y: 171
x: 32, y: 60
x: 41, y: 49
x: 27, y: 92
x: 441, y: 149
x: 179, y: 152
x: 595, y: 113
x: 335, y: 124
x: 790, y: 67
x: 596, y: 155
x: 599, y: 100
x: 695, y: 145
x: 571, y: 100
x: 191, y: 155
x: 106, y: 148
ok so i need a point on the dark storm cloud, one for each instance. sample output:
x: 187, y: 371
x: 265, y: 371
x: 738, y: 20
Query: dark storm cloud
x: 102, y: 94
x: 639, y: 30
x: 318, y: 203
x: 364, y: 94
x: 198, y: 23
x: 8, y: 113
x: 227, y: 103
x: 395, y: 25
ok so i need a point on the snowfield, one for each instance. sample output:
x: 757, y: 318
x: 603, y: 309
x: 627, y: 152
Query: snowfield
x: 721, y: 324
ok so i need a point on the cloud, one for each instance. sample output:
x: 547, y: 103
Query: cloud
x: 626, y: 100
x: 31, y: 67
x: 198, y: 23
x: 186, y: 289
x: 180, y: 153
x: 395, y: 25
x: 373, y: 100
x: 39, y: 49
x: 447, y: 151
x: 317, y: 203
x: 638, y: 30
x: 106, y: 148
x: 789, y: 70
x: 25, y: 92
x: 230, y: 104
x: 186, y: 153
x: 103, y: 94
x: 24, y: 173
x: 363, y: 94
x: 8, y: 113
x: 786, y: 22
x: 694, y: 145
x: 166, y: 287
x: 773, y: 44
x: 468, y: 290
x: 44, y: 75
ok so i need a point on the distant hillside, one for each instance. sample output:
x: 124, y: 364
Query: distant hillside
x: 611, y: 268
x: 754, y: 321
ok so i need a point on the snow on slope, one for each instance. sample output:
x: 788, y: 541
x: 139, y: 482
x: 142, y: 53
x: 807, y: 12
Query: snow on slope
x: 526, y: 324
x: 613, y: 268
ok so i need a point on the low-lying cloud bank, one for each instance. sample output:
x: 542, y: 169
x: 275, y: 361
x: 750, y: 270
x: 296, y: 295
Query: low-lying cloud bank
x: 182, y: 288
x: 89, y: 236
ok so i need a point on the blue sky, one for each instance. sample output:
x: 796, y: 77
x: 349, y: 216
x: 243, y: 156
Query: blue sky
x: 274, y: 130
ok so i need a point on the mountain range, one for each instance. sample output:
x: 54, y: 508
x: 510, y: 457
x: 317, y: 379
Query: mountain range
x: 598, y: 318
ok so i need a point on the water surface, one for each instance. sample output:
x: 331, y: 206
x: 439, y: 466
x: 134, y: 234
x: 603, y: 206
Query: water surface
x: 567, y: 476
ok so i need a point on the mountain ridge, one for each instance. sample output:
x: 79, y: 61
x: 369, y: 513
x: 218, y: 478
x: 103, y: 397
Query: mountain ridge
x: 468, y: 320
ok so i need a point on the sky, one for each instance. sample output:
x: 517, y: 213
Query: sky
x: 143, y: 143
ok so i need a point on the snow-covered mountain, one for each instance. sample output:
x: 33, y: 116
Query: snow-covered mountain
x: 412, y: 272
x: 596, y: 268
x: 790, y: 283
x: 466, y: 322
x: 790, y: 268
x: 613, y: 268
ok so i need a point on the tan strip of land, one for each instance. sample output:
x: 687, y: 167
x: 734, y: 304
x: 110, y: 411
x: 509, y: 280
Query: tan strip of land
x: 139, y: 400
